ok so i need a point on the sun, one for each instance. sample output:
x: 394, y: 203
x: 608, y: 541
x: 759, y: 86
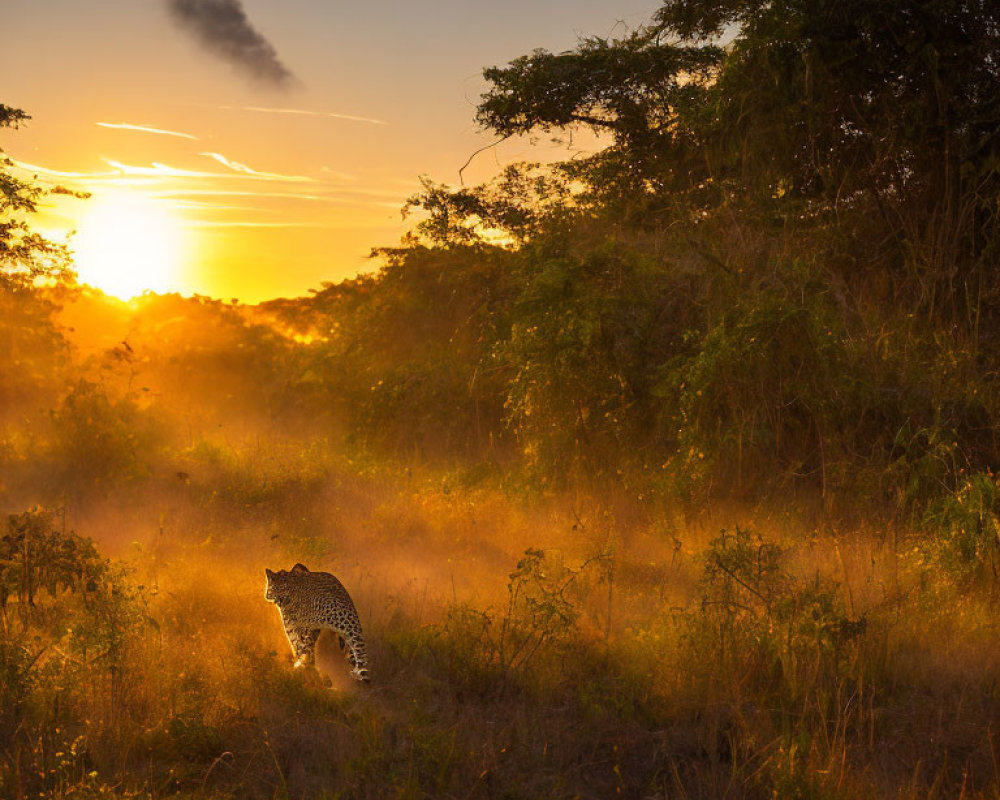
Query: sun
x: 128, y: 244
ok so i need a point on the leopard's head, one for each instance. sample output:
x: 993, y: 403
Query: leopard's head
x: 274, y: 584
x: 278, y: 581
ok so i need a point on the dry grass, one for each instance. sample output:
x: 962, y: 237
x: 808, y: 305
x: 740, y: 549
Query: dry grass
x: 659, y: 682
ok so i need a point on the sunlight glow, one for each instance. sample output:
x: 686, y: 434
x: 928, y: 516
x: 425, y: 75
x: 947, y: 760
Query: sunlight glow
x: 128, y: 244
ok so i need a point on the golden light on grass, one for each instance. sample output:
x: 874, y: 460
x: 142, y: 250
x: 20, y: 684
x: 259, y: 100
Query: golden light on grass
x: 127, y: 244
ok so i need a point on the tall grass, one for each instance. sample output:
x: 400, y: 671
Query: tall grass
x: 558, y: 648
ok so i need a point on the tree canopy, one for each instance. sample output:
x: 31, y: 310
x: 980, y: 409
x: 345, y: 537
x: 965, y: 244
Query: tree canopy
x: 881, y: 114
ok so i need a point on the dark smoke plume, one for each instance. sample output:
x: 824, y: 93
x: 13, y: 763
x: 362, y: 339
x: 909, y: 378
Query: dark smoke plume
x: 223, y: 28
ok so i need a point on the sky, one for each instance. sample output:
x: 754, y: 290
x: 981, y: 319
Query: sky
x: 254, y: 149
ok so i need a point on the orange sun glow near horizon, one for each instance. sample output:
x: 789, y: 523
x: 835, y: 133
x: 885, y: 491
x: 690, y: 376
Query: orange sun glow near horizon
x: 127, y: 244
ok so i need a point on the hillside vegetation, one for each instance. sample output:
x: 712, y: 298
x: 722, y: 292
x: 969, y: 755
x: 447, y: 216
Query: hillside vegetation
x: 665, y: 472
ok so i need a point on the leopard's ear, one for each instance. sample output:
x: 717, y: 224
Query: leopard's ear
x: 268, y: 572
x: 298, y: 569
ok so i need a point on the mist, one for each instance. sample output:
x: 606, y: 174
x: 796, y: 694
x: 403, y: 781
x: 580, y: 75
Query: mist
x: 196, y: 443
x: 670, y: 470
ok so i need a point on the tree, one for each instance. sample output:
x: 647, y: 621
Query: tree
x: 25, y: 257
x: 880, y: 118
x: 31, y: 346
x: 782, y: 184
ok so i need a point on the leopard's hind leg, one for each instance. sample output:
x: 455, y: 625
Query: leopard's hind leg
x: 352, y: 643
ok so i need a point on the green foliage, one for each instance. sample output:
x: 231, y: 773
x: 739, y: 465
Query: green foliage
x: 70, y: 618
x: 965, y: 529
x: 403, y: 358
x: 579, y: 353
x: 620, y: 85
x: 32, y: 349
x: 34, y: 354
x: 640, y: 90
x: 763, y: 631
x: 523, y: 201
x: 25, y: 257
x: 537, y: 608
x: 759, y: 394
x: 776, y: 281
x: 879, y: 120
x: 34, y: 556
x: 768, y: 280
x: 796, y: 630
x: 924, y: 465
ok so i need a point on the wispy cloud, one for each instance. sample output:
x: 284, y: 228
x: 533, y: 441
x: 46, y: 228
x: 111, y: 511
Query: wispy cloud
x: 200, y: 205
x: 324, y: 198
x: 238, y: 171
x: 233, y: 196
x: 157, y: 170
x: 243, y: 169
x: 202, y: 223
x: 55, y: 173
x: 303, y: 112
x: 124, y: 126
x: 179, y: 183
x: 222, y: 28
x: 336, y: 175
x: 120, y: 174
x: 321, y: 194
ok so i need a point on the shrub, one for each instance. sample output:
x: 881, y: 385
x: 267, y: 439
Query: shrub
x: 762, y: 632
x: 100, y: 440
x: 758, y: 396
x: 71, y: 622
x: 965, y: 529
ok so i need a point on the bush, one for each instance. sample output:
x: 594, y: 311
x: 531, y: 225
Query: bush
x: 759, y: 396
x: 964, y: 527
x: 776, y: 651
x: 101, y: 440
x: 71, y: 623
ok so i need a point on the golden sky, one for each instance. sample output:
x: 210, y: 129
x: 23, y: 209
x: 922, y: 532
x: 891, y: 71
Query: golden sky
x: 265, y: 166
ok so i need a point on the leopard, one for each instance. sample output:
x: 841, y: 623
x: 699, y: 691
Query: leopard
x: 311, y: 601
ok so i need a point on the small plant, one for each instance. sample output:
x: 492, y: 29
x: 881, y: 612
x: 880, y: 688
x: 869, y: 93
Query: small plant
x: 537, y: 608
x: 759, y: 625
x: 539, y: 615
x: 35, y: 556
x: 966, y: 529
